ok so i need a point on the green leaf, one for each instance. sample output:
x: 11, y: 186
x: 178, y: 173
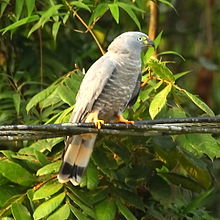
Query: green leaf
x: 55, y: 28
x: 185, y: 182
x: 49, y: 206
x: 40, y: 96
x: 160, y: 69
x: 88, y: 210
x: 15, y: 173
x: 159, y: 101
x: 125, y: 211
x: 79, y: 215
x: 20, y: 23
x: 49, y: 168
x: 98, y: 12
x: 197, y: 202
x: 20, y: 212
x: 198, y: 102
x: 41, y: 157
x: 62, y: 213
x: 3, y: 6
x: 7, y: 191
x: 200, y: 144
x: 179, y: 75
x: 172, y: 52
x: 80, y: 4
x: 106, y: 210
x: 30, y: 4
x: 17, y: 102
x: 46, y: 15
x: 41, y: 145
x: 169, y: 4
x: 92, y: 177
x: 114, y: 11
x: 150, y: 50
x: 129, y: 11
x: 65, y: 93
x: 18, y: 8
x: 47, y: 190
x: 160, y: 190
x: 130, y: 198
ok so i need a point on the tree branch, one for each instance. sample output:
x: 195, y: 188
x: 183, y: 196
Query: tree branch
x: 139, y: 128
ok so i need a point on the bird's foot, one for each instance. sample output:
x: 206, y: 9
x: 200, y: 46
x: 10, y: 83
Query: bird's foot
x: 93, y: 117
x: 121, y: 119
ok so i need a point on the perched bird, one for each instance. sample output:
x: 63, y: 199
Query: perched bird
x: 110, y: 85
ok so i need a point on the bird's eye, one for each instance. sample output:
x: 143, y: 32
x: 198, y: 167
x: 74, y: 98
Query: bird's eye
x: 140, y: 39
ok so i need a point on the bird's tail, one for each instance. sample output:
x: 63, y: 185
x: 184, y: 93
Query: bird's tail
x: 76, y: 157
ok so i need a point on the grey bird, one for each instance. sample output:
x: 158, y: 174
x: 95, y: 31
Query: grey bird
x: 110, y: 85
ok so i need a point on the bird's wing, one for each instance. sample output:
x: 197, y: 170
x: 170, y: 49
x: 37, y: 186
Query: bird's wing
x: 91, y: 86
x: 136, y: 91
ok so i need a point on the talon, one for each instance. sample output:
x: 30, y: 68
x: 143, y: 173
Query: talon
x: 93, y: 117
x: 98, y: 123
x: 121, y: 119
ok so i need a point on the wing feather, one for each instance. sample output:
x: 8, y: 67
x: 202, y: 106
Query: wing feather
x: 136, y: 91
x: 92, y: 86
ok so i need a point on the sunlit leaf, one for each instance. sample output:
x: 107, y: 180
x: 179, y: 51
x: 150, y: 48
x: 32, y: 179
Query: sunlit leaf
x: 150, y: 50
x: 49, y: 168
x: 20, y: 212
x: 45, y: 208
x: 80, y: 4
x: 3, y: 6
x: 106, y: 210
x: 30, y: 4
x: 160, y: 69
x: 39, y: 97
x: 47, y: 190
x: 159, y: 101
x: 41, y: 157
x: 98, y: 12
x: 16, y: 173
x: 114, y: 11
x: 18, y: 8
x: 66, y: 95
x: 62, y: 213
x: 129, y: 11
x: 45, y: 18
x: 55, y: 28
x: 19, y: 23
x: 200, y: 144
x: 172, y: 52
x: 198, y: 102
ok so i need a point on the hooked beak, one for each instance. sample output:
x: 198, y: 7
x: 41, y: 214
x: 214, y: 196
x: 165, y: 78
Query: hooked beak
x: 149, y: 43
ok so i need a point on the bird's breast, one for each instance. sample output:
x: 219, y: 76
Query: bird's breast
x: 118, y: 90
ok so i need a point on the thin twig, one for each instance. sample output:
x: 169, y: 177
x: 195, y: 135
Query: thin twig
x: 87, y: 27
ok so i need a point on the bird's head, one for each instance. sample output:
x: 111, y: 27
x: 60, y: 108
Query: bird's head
x: 130, y: 42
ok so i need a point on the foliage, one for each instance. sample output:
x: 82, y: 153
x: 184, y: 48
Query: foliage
x: 127, y: 178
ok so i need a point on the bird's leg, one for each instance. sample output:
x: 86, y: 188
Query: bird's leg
x: 93, y: 117
x: 123, y: 120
